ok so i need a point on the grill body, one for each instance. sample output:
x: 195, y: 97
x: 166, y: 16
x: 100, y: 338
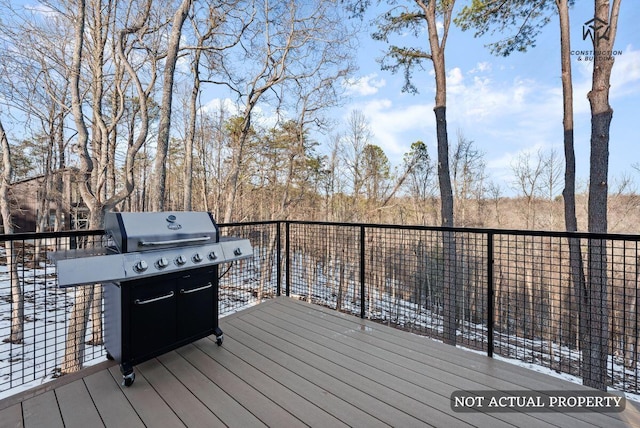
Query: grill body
x: 160, y: 281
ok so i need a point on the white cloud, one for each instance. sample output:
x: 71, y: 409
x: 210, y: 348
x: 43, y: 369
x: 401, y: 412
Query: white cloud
x: 481, y: 67
x: 40, y: 9
x: 625, y: 76
x: 395, y: 128
x: 364, y: 85
x: 454, y: 78
x: 215, y: 105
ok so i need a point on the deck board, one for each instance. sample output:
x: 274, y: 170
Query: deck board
x: 11, y: 417
x: 466, y: 366
x: 148, y: 404
x: 305, y: 410
x: 443, y: 371
x: 251, y: 399
x: 112, y: 405
x: 413, y: 380
x: 42, y: 410
x: 376, y: 399
x: 288, y: 363
x: 224, y: 406
x: 178, y: 397
x: 76, y: 406
x: 341, y: 411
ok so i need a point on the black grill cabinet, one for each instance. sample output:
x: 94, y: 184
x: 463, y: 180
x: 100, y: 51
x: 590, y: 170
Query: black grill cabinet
x: 147, y: 317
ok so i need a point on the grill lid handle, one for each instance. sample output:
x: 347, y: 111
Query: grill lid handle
x: 173, y: 241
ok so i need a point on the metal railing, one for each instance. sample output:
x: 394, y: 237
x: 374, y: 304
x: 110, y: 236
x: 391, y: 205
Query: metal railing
x: 523, y: 295
x: 38, y: 319
x: 34, y: 312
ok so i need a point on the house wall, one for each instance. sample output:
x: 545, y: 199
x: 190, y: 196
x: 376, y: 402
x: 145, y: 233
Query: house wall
x: 27, y: 203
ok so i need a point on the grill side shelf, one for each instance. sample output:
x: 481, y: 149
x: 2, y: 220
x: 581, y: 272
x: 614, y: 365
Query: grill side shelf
x: 88, y: 270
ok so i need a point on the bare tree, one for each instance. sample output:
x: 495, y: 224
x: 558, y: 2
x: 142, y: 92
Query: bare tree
x: 35, y: 83
x: 411, y: 17
x: 421, y: 178
x: 528, y: 177
x: 17, y: 298
x: 537, y: 177
x: 468, y: 173
x: 210, y: 40
x: 170, y: 60
x: 527, y: 19
x: 92, y: 150
x: 551, y: 182
x: 285, y: 43
x: 354, y: 141
x: 604, y: 26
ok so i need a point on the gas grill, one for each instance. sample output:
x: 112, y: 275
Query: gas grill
x: 160, y: 279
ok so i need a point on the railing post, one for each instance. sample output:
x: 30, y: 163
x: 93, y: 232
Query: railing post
x: 362, y: 262
x: 490, y: 293
x: 287, y: 249
x: 278, y: 259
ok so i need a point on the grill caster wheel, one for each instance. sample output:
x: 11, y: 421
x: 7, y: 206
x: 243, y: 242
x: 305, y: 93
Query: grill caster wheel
x: 109, y: 357
x: 219, y: 340
x: 128, y: 379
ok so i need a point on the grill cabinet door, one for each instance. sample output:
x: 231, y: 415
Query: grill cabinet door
x: 197, y: 312
x: 153, y: 317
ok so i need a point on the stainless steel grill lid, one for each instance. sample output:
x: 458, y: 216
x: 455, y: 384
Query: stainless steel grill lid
x: 147, y: 231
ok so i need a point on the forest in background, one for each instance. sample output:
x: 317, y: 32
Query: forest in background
x: 119, y: 102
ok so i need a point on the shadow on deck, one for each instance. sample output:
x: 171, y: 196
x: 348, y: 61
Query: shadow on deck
x: 286, y: 363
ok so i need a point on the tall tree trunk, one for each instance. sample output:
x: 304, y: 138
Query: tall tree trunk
x: 451, y: 286
x: 17, y: 299
x: 595, y: 355
x: 576, y: 266
x: 191, y: 135
x: 90, y: 191
x: 237, y: 164
x: 164, y: 129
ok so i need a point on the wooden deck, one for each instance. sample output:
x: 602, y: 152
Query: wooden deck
x: 287, y: 364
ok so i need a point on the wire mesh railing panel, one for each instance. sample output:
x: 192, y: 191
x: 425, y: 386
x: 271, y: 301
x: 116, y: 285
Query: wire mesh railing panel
x: 37, y: 318
x: 528, y: 296
x: 324, y: 265
x: 623, y: 299
x: 402, y: 271
x: 472, y: 265
x: 532, y: 301
x: 250, y: 281
x: 569, y: 304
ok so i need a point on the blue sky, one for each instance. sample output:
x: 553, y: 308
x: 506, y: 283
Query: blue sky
x: 507, y: 106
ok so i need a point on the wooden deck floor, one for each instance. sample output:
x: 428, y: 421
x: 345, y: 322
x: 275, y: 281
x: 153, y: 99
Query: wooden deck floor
x: 287, y: 364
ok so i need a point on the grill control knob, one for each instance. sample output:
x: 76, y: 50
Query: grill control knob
x: 180, y: 260
x: 197, y: 258
x: 140, y: 266
x: 212, y: 255
x: 162, y: 262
